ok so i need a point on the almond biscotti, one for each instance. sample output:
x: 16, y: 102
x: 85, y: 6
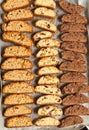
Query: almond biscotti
x: 17, y: 38
x: 18, y: 75
x: 17, y: 110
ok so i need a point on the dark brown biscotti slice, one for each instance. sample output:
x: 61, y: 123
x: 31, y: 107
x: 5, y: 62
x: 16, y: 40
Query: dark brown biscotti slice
x: 18, y: 121
x: 17, y: 99
x: 73, y: 66
x: 75, y: 99
x: 18, y: 75
x: 74, y: 18
x: 70, y: 7
x: 68, y: 27
x: 12, y: 4
x: 76, y: 37
x: 71, y: 120
x: 18, y: 14
x: 75, y: 88
x: 18, y: 87
x: 17, y: 51
x: 17, y: 38
x: 74, y: 46
x: 76, y: 110
x: 73, y: 77
x: 17, y: 110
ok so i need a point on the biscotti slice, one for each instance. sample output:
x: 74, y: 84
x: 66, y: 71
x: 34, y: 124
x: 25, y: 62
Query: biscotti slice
x: 49, y: 99
x: 18, y: 14
x: 48, y: 79
x: 70, y: 121
x: 17, y: 26
x: 75, y: 88
x: 17, y: 51
x: 76, y: 37
x: 68, y: 27
x: 44, y: 12
x: 76, y: 110
x: 48, y: 43
x: 18, y: 121
x: 18, y: 75
x: 74, y: 18
x: 50, y: 110
x: 43, y: 52
x: 18, y: 87
x: 48, y: 89
x: 75, y: 99
x: 17, y: 38
x: 16, y: 63
x: 48, y: 61
x: 73, y: 66
x: 42, y: 35
x: 74, y: 46
x: 50, y: 4
x: 17, y: 110
x: 70, y: 7
x: 44, y: 24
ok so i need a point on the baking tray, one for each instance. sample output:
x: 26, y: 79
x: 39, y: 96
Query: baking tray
x: 3, y: 44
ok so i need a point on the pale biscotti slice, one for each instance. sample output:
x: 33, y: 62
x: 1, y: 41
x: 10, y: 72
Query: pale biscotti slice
x: 48, y: 79
x: 49, y: 99
x: 17, y: 26
x: 48, y: 43
x: 44, y: 12
x: 44, y: 52
x: 18, y: 121
x: 42, y: 35
x: 48, y: 61
x: 15, y: 4
x: 17, y: 38
x: 50, y: 4
x: 17, y: 110
x: 18, y: 87
x: 17, y: 51
x: 18, y: 14
x: 48, y: 89
x: 44, y: 24
x: 48, y: 70
x: 18, y: 75
x: 50, y: 110
x: 16, y: 63
x: 17, y: 99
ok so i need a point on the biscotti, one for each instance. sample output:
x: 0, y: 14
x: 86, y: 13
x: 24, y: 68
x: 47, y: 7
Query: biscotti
x: 17, y: 51
x: 48, y: 43
x: 17, y: 38
x: 50, y: 110
x: 75, y: 99
x: 48, y: 89
x: 18, y: 14
x: 18, y: 121
x: 12, y: 4
x: 74, y: 46
x: 18, y: 75
x: 75, y: 88
x: 44, y: 12
x: 76, y: 110
x: 49, y: 99
x: 44, y: 24
x: 50, y: 4
x: 17, y: 110
x: 16, y: 63
x: 18, y: 87
x: 17, y: 99
x: 17, y: 26
x: 48, y: 79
